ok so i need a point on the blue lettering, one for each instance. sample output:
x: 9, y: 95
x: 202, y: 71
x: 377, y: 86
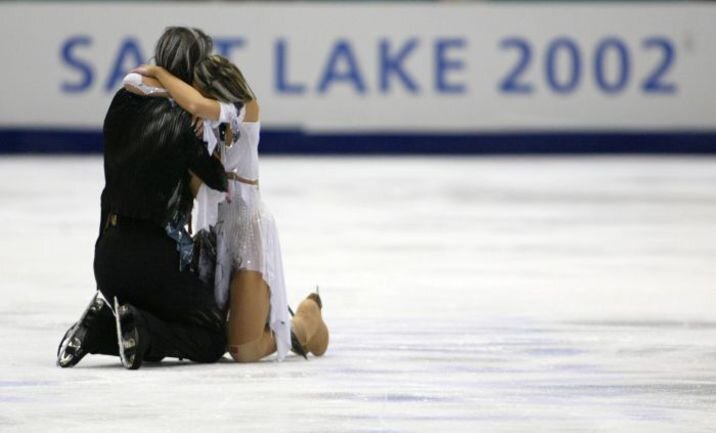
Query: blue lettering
x: 281, y: 77
x: 342, y: 53
x: 225, y: 46
x: 394, y: 65
x: 443, y: 65
x: 655, y: 83
x: 618, y: 47
x: 569, y: 47
x: 84, y: 68
x: 129, y: 48
x: 512, y: 83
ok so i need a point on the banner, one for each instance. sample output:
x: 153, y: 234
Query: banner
x: 388, y: 69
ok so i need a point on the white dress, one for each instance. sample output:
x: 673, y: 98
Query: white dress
x: 247, y: 238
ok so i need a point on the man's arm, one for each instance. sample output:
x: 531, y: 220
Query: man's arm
x: 204, y: 166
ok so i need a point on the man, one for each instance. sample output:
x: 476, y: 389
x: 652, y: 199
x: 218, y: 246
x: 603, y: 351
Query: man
x: 161, y: 309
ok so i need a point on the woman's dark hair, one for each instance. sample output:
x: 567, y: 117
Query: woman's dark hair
x: 179, y: 49
x: 220, y: 79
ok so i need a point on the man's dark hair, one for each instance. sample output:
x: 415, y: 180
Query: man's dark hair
x: 179, y: 49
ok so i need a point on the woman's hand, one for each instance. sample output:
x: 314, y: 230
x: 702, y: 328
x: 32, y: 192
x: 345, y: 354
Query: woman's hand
x: 146, y: 70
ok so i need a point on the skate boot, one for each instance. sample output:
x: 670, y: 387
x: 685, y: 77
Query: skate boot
x: 74, y: 345
x: 309, y: 333
x: 131, y: 336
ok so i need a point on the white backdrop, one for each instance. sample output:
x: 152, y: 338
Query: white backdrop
x: 385, y: 67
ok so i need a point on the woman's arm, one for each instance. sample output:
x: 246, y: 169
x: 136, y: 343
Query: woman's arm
x: 141, y: 85
x: 186, y: 96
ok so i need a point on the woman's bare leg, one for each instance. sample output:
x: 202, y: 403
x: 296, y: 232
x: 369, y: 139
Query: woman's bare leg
x: 249, y: 337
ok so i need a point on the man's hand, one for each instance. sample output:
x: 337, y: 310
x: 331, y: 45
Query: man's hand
x: 198, y: 124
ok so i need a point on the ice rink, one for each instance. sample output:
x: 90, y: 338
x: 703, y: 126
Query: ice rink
x: 463, y: 295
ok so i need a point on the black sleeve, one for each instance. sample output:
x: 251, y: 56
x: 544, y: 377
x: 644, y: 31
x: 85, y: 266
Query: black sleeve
x: 208, y: 169
x: 104, y: 214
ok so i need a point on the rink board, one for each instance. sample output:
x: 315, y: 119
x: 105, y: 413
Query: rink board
x: 49, y: 141
x: 426, y: 78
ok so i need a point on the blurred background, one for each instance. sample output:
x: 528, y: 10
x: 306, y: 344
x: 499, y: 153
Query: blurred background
x: 386, y: 77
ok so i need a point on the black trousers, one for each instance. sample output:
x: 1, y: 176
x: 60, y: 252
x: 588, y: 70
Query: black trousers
x: 138, y: 263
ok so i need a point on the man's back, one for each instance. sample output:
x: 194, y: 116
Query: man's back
x: 161, y: 310
x: 149, y: 148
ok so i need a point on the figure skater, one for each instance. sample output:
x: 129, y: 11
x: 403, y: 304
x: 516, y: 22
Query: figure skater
x: 161, y: 309
x: 249, y: 271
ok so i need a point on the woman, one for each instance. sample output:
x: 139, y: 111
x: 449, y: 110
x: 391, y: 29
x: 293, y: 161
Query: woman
x: 249, y: 268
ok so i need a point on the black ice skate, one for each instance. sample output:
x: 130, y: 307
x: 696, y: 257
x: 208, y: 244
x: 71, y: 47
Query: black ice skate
x: 73, y: 346
x: 130, y: 335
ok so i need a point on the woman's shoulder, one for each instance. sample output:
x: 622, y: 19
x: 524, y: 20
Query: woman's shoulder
x: 250, y: 121
x: 238, y: 113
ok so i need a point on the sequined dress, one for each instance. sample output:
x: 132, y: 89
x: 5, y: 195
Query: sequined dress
x: 247, y: 237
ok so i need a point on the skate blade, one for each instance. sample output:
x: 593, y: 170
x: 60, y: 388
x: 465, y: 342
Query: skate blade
x: 69, y: 347
x: 67, y: 352
x: 126, y: 359
x: 95, y: 304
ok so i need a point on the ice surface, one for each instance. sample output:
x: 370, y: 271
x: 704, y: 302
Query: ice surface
x: 463, y: 295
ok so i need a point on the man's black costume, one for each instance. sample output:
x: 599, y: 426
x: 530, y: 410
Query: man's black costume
x: 150, y: 147
x: 161, y: 308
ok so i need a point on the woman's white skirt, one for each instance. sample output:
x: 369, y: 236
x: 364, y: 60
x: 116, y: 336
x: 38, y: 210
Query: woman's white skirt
x: 247, y: 239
